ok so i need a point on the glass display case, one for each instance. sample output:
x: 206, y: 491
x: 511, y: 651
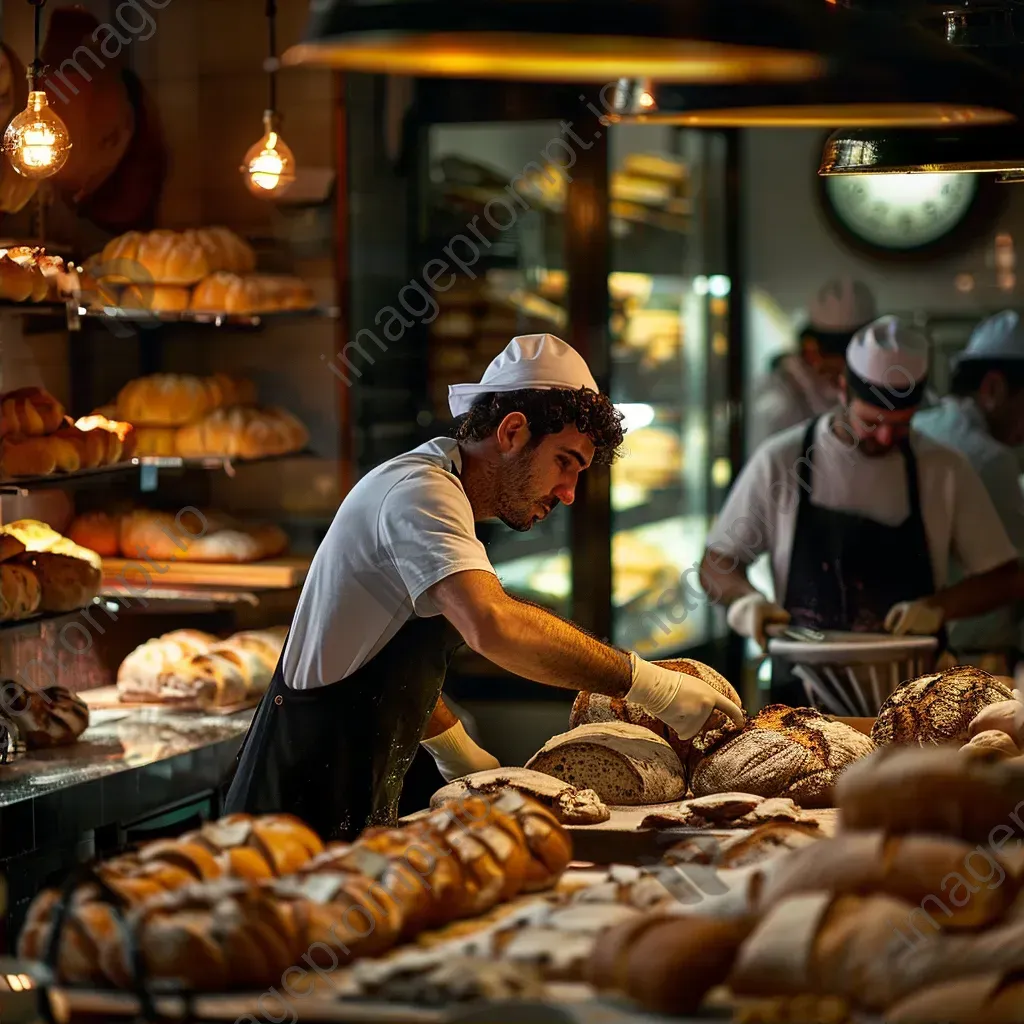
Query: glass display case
x: 660, y: 341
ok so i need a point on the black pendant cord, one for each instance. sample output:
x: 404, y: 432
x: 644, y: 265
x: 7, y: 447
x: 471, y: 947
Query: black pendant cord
x: 272, y: 62
x: 35, y: 71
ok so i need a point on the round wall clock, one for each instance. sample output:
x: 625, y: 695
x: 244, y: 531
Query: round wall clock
x: 905, y: 214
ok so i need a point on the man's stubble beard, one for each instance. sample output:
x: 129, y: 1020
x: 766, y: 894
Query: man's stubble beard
x: 514, y: 504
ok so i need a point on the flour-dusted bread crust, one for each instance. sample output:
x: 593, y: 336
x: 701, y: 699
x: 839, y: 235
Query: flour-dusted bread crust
x: 595, y: 708
x: 571, y: 806
x: 782, y: 752
x: 623, y: 764
x: 937, y: 708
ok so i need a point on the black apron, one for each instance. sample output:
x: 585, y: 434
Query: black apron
x: 846, y: 571
x: 336, y: 756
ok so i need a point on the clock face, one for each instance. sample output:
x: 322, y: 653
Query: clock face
x: 901, y: 212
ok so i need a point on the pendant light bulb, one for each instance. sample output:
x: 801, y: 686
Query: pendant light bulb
x: 37, y: 141
x: 269, y: 167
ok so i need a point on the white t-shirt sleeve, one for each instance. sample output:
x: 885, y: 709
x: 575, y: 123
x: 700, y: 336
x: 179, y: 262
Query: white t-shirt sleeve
x: 426, y: 530
x: 742, y: 529
x: 980, y: 541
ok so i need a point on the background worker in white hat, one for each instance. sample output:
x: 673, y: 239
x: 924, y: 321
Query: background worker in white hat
x: 861, y: 514
x: 983, y: 418
x: 401, y: 580
x: 805, y: 384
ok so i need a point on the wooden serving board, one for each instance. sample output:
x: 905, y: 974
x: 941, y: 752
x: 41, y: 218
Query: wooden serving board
x: 271, y: 574
x: 106, y: 697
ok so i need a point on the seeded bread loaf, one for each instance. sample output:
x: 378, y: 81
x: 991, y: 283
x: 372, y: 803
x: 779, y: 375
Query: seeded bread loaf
x: 937, y: 708
x: 590, y: 708
x: 623, y: 764
x: 790, y: 752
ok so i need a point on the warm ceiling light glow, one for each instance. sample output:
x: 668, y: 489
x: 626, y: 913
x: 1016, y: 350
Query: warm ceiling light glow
x: 537, y: 57
x: 268, y: 167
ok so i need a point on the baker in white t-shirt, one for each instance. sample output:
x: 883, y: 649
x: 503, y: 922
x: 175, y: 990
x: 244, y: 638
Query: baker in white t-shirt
x: 401, y: 580
x: 860, y: 514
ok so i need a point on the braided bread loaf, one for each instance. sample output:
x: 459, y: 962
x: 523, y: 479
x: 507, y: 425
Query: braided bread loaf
x: 31, y: 412
x: 50, y: 717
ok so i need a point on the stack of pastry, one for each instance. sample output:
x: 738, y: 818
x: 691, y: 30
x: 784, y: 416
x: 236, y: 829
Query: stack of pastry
x: 37, y: 439
x: 188, y: 537
x: 192, y: 417
x: 195, y: 669
x: 29, y: 273
x: 214, y: 913
x: 42, y: 571
x: 209, y: 270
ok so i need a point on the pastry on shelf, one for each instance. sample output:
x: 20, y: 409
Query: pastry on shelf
x: 213, y: 537
x: 224, y: 250
x: 243, y: 432
x: 22, y: 456
x: 37, y: 536
x: 119, y: 438
x: 229, y: 293
x: 156, y: 298
x: 191, y: 668
x: 17, y: 283
x: 20, y: 592
x: 98, y: 531
x: 154, y: 257
x: 48, y: 717
x: 157, y: 442
x: 30, y: 411
x: 65, y: 582
x: 173, y: 400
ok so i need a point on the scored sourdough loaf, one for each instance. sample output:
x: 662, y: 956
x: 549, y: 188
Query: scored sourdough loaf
x: 65, y: 583
x: 589, y: 708
x: 788, y: 752
x: 937, y: 708
x: 570, y: 805
x: 624, y: 764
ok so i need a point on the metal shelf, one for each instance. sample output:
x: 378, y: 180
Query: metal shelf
x: 149, y: 467
x: 188, y: 600
x: 75, y: 314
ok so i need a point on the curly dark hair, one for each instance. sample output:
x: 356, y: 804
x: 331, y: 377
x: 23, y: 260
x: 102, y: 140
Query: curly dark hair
x: 548, y: 412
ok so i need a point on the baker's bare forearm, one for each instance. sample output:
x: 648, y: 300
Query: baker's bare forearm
x: 724, y: 578
x: 536, y: 644
x: 980, y: 594
x: 441, y: 720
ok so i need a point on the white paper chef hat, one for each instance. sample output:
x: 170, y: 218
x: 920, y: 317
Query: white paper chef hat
x: 536, y: 361
x: 999, y: 337
x: 887, y: 363
x: 842, y: 306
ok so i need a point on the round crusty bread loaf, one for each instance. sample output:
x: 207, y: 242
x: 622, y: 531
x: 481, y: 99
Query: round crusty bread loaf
x: 937, y: 708
x: 591, y: 708
x: 624, y: 764
x: 571, y: 806
x: 792, y: 752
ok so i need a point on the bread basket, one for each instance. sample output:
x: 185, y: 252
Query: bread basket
x: 851, y: 674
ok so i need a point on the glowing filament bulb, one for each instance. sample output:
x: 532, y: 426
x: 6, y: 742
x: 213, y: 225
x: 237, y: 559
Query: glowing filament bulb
x: 269, y: 167
x: 37, y: 141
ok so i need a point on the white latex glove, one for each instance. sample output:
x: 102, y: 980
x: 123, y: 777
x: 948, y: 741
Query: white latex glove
x: 1006, y: 716
x: 751, y: 615
x: 455, y: 754
x: 681, y: 701
x: 915, y: 617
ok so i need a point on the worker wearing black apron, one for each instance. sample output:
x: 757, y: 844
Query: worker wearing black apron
x: 401, y: 578
x: 860, y: 516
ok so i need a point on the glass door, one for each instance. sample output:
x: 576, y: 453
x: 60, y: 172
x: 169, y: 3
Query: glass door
x: 494, y: 206
x: 669, y: 356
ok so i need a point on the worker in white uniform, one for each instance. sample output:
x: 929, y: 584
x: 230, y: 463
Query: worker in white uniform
x: 805, y: 384
x: 983, y: 418
x: 861, y: 514
x: 401, y: 580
